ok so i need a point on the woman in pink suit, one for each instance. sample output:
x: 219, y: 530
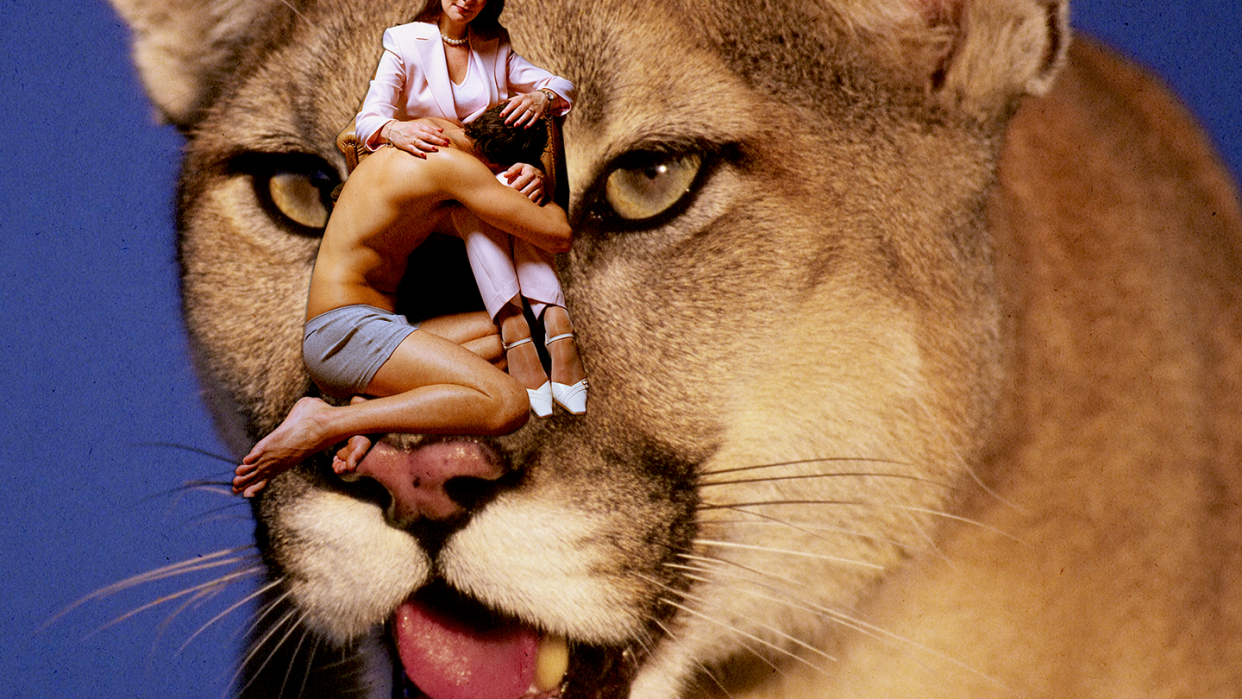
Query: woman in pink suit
x: 453, y: 62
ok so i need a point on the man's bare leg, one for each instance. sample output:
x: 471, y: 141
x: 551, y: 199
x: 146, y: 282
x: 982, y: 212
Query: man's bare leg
x: 473, y: 331
x: 429, y: 385
x: 348, y: 457
x: 293, y: 441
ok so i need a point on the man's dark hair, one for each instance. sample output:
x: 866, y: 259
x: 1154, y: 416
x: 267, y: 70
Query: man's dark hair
x: 503, y: 144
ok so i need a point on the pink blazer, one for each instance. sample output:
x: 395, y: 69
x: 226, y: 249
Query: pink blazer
x: 412, y: 78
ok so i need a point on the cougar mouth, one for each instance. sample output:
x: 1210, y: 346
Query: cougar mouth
x: 451, y: 647
x: 439, y: 638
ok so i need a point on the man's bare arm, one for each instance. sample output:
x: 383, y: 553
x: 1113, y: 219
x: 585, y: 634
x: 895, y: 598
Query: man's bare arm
x: 474, y: 186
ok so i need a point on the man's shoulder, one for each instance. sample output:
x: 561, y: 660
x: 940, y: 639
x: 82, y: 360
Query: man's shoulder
x: 459, y: 163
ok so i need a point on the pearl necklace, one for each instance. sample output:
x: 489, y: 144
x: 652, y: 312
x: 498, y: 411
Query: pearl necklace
x: 455, y: 42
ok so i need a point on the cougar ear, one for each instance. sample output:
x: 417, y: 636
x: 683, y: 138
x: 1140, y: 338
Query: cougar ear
x: 180, y: 47
x: 979, y: 55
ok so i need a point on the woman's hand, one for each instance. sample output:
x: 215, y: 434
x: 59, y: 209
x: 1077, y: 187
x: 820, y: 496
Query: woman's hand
x: 415, y: 137
x: 524, y: 110
x: 526, y: 179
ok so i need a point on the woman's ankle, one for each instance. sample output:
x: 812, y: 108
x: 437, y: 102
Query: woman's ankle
x: 513, y: 325
x: 556, y: 321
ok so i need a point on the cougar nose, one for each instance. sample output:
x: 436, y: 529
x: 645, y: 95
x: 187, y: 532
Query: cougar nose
x: 437, y: 481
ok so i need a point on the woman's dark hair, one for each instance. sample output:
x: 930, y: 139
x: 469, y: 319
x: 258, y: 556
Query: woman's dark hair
x: 486, y: 23
x: 503, y: 144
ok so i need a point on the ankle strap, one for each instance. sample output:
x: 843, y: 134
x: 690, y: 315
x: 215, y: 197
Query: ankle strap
x: 554, y: 338
x: 519, y: 343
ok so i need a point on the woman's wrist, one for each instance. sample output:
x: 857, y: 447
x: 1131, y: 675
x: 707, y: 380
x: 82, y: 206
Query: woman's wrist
x: 378, y: 137
x: 550, y: 95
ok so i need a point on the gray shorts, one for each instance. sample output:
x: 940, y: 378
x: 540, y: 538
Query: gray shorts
x: 344, y: 347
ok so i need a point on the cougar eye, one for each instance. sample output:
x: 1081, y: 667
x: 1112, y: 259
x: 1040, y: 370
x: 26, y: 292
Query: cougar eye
x: 296, y: 190
x: 297, y: 196
x: 642, y: 190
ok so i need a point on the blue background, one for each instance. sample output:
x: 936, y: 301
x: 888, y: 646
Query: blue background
x: 94, y: 355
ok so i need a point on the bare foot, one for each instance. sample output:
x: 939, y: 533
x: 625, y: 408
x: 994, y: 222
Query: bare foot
x: 297, y: 438
x: 567, y: 366
x: 349, y: 456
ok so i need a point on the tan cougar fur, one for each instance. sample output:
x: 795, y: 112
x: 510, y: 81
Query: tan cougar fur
x: 913, y: 331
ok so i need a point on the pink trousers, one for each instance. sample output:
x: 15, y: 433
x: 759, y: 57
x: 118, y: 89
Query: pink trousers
x: 506, y: 267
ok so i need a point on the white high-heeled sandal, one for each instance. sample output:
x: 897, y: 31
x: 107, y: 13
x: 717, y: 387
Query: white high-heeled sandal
x: 540, y: 398
x: 572, y: 398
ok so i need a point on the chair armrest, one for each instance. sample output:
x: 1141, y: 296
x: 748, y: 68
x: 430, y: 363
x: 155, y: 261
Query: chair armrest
x: 553, y: 162
x: 351, y: 147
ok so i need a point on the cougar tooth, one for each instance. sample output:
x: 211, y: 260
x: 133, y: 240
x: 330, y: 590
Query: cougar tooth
x: 551, y: 663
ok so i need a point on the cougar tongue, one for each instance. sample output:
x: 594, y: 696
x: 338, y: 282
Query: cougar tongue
x: 450, y: 658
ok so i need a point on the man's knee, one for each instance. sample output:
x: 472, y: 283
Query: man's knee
x: 512, y: 407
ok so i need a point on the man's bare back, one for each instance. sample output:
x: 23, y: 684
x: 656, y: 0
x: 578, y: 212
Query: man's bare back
x: 397, y: 203
x: 431, y: 383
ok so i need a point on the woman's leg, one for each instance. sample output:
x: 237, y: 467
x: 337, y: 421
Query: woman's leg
x: 523, y: 358
x: 568, y: 374
x: 536, y: 276
x: 490, y: 252
x: 542, y: 288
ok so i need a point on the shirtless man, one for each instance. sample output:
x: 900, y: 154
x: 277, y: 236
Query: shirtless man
x: 428, y: 384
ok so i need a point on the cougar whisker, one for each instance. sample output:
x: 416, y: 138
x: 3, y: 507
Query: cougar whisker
x: 289, y: 618
x: 961, y: 460
x: 784, y: 552
x: 784, y: 503
x: 310, y: 663
x: 265, y: 610
x: 812, y: 476
x: 195, y: 600
x: 786, y: 598
x: 289, y: 5
x: 807, y: 528
x: 798, y: 462
x: 750, y: 636
x: 185, y: 447
x: 289, y: 670
x: 219, y: 582
x: 837, y: 616
x: 347, y: 655
x: 859, y: 503
x: 233, y: 607
x: 774, y: 630
x: 702, y: 668
x: 216, y: 515
x: 968, y: 520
